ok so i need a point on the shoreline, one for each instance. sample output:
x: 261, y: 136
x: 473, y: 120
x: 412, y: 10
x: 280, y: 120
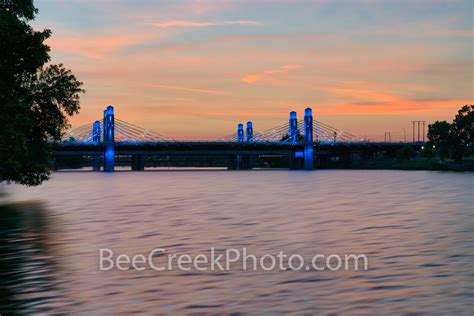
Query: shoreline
x: 418, y: 164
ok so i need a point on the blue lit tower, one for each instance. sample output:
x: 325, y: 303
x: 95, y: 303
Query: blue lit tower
x: 249, y: 132
x: 96, y: 132
x: 109, y: 149
x: 308, y: 138
x: 96, y: 139
x: 240, y: 139
x: 240, y: 133
x: 293, y: 127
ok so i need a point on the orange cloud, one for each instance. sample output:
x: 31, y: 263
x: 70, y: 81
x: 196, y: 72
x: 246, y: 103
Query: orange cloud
x: 252, y: 78
x: 189, y: 23
x: 188, y: 89
x: 397, y: 106
x: 374, y: 101
x: 362, y: 94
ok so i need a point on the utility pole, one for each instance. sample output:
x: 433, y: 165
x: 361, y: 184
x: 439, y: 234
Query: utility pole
x: 405, y: 134
x: 423, y: 131
x: 418, y: 131
x: 418, y: 138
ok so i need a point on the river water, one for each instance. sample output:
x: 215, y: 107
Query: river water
x: 415, y: 227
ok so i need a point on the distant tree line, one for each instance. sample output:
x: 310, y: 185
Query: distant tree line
x: 286, y: 137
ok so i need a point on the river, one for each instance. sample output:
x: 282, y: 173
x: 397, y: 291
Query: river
x: 415, y: 227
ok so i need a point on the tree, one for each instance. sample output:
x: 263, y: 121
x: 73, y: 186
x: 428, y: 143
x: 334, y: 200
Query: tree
x: 453, y: 140
x: 440, y: 135
x: 463, y: 125
x: 35, y: 99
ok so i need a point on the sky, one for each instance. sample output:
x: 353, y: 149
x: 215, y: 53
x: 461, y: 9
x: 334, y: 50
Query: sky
x: 194, y: 69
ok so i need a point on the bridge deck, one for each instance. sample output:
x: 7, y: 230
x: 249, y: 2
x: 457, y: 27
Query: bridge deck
x: 217, y: 148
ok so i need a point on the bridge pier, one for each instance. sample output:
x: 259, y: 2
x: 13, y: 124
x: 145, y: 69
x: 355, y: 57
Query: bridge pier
x: 138, y: 162
x: 236, y: 161
x: 109, y: 147
x: 308, y: 138
x: 96, y: 139
x: 296, y: 160
x: 248, y: 160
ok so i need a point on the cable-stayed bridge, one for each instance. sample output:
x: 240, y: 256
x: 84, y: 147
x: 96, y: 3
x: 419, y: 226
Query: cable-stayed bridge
x: 130, y: 133
x: 124, y: 132
x: 303, y: 142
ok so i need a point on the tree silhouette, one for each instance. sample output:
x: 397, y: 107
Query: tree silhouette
x: 463, y: 124
x: 35, y: 99
x: 453, y: 140
x: 441, y: 136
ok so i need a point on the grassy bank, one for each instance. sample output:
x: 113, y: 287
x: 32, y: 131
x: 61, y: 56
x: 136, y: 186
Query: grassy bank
x: 418, y: 164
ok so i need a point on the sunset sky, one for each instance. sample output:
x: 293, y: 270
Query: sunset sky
x: 194, y: 69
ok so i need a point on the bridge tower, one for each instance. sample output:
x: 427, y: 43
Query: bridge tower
x: 248, y: 160
x: 240, y: 139
x: 293, y: 127
x: 249, y: 132
x: 240, y: 133
x: 109, y: 147
x: 96, y: 139
x: 308, y: 138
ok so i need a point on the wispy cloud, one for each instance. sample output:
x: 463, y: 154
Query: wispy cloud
x: 189, y: 89
x: 252, y: 78
x: 399, y: 106
x: 369, y: 102
x: 94, y: 46
x: 190, y: 23
x: 454, y: 33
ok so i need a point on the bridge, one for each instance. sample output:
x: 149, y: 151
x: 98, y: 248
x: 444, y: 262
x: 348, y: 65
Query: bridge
x: 304, y: 144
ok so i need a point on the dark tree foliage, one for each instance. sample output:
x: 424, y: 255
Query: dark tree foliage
x: 286, y: 137
x: 35, y: 99
x: 453, y: 140
x: 405, y: 153
x: 463, y: 124
x: 441, y: 135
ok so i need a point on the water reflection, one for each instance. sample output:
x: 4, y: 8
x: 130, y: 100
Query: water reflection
x: 28, y: 269
x: 415, y: 227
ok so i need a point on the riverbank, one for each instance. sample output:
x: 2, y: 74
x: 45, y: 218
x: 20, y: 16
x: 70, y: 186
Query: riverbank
x: 417, y: 164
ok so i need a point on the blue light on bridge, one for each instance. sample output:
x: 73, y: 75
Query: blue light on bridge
x: 308, y: 125
x: 293, y: 127
x: 96, y: 132
x: 308, y: 137
x: 109, y: 147
x: 249, y: 132
x: 240, y: 133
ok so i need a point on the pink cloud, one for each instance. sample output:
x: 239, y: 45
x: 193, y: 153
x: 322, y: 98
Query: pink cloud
x: 94, y: 46
x: 260, y: 76
x: 189, y: 23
